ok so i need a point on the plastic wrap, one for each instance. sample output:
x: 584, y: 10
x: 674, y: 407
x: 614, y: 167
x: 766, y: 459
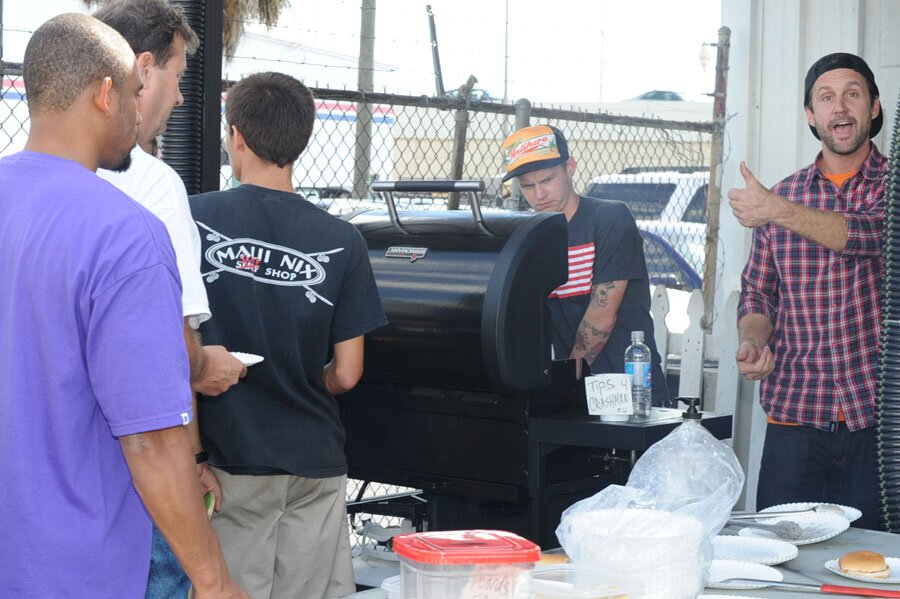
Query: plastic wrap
x: 659, y: 527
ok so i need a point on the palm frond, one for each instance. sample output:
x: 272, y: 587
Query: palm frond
x: 236, y: 14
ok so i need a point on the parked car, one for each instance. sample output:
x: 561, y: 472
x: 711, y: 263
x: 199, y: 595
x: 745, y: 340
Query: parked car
x: 669, y: 206
x: 659, y: 94
x: 688, y: 240
x: 668, y: 196
x: 666, y: 265
x: 476, y: 95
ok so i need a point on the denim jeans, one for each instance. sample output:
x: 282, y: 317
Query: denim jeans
x: 802, y: 463
x: 167, y: 579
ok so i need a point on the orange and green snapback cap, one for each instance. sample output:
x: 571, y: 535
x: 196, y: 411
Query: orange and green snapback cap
x: 533, y: 148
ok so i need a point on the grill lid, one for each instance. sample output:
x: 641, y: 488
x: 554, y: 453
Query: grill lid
x: 465, y: 298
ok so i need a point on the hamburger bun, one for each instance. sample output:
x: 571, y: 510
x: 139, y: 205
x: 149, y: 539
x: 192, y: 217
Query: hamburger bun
x: 864, y: 563
x: 553, y: 558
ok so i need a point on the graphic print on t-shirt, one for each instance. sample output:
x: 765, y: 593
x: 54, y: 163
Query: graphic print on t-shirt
x: 266, y: 262
x: 581, y: 272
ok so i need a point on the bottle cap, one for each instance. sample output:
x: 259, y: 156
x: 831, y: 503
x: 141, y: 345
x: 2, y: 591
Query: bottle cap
x: 637, y: 336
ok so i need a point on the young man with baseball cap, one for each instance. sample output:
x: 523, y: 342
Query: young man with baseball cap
x: 810, y: 311
x: 607, y: 295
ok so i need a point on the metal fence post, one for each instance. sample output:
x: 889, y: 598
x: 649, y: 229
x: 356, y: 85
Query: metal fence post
x: 714, y: 194
x: 460, y: 126
x: 365, y: 80
x: 523, y: 119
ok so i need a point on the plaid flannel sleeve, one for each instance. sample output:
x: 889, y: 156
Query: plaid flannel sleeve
x: 759, y: 281
x: 865, y: 229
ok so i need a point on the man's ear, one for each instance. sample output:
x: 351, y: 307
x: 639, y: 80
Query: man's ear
x: 237, y: 138
x: 810, y: 117
x: 145, y: 61
x: 102, y: 95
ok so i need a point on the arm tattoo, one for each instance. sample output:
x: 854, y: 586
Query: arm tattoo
x: 590, y: 341
x: 600, y: 294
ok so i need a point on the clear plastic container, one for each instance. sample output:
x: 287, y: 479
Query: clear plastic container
x: 661, y: 548
x: 465, y: 564
x: 391, y: 587
x: 578, y: 581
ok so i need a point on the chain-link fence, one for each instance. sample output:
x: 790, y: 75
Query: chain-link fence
x: 13, y: 111
x: 659, y: 168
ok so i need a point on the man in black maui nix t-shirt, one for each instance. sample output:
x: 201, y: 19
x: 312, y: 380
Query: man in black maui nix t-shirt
x: 607, y: 295
x: 292, y: 284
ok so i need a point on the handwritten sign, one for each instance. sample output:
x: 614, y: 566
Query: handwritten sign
x: 609, y: 394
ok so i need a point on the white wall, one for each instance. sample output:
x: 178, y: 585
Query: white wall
x: 773, y: 44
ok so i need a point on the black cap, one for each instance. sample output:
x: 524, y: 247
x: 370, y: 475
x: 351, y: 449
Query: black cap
x: 843, y: 60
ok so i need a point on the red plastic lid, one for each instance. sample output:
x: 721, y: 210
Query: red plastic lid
x: 466, y: 547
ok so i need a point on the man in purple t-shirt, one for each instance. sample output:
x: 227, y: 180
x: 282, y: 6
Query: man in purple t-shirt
x: 94, y: 392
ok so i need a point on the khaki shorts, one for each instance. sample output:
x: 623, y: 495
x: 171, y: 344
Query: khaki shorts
x: 285, y: 536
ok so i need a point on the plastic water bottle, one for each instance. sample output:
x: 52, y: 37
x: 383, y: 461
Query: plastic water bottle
x: 637, y: 364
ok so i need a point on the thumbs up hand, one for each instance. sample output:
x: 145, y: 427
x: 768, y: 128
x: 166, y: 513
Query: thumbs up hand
x: 754, y: 205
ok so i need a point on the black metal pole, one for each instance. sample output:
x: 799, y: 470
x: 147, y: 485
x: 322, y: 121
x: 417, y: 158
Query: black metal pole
x: 192, y: 140
x: 212, y: 96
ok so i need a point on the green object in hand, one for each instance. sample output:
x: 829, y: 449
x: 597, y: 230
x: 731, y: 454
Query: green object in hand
x: 210, y: 501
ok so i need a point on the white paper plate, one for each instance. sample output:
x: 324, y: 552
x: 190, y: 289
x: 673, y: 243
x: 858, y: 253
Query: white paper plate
x: 892, y: 562
x: 850, y: 513
x: 816, y: 527
x: 727, y: 597
x: 723, y: 569
x: 752, y: 549
x: 247, y: 359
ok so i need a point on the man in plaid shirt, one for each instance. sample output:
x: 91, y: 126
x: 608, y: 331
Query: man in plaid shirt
x: 810, y: 310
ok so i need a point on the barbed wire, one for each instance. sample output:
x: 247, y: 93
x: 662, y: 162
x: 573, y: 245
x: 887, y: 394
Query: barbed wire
x: 5, y: 29
x: 311, y: 64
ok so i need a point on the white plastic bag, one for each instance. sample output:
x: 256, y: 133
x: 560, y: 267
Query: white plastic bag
x: 659, y: 527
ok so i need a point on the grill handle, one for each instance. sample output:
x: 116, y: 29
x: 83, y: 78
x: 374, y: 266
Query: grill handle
x: 471, y: 187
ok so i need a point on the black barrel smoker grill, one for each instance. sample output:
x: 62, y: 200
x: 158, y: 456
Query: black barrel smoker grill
x: 460, y: 397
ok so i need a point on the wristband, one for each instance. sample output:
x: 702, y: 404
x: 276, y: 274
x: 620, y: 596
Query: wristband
x: 202, y: 457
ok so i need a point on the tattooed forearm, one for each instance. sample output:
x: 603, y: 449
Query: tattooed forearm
x: 599, y: 320
x: 589, y: 341
x: 600, y: 293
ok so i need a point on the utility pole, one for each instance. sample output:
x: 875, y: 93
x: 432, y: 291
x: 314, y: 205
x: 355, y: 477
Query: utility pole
x: 1, y: 39
x: 600, y: 66
x: 505, y: 56
x: 366, y: 83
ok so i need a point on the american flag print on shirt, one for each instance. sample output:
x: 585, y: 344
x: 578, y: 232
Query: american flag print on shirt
x: 581, y: 272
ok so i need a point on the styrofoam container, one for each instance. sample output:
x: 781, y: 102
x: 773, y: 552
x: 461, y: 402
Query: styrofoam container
x: 577, y: 581
x: 391, y: 586
x: 465, y: 564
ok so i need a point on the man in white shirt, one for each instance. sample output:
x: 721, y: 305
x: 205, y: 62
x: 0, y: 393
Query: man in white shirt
x: 161, y: 38
x: 156, y: 186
